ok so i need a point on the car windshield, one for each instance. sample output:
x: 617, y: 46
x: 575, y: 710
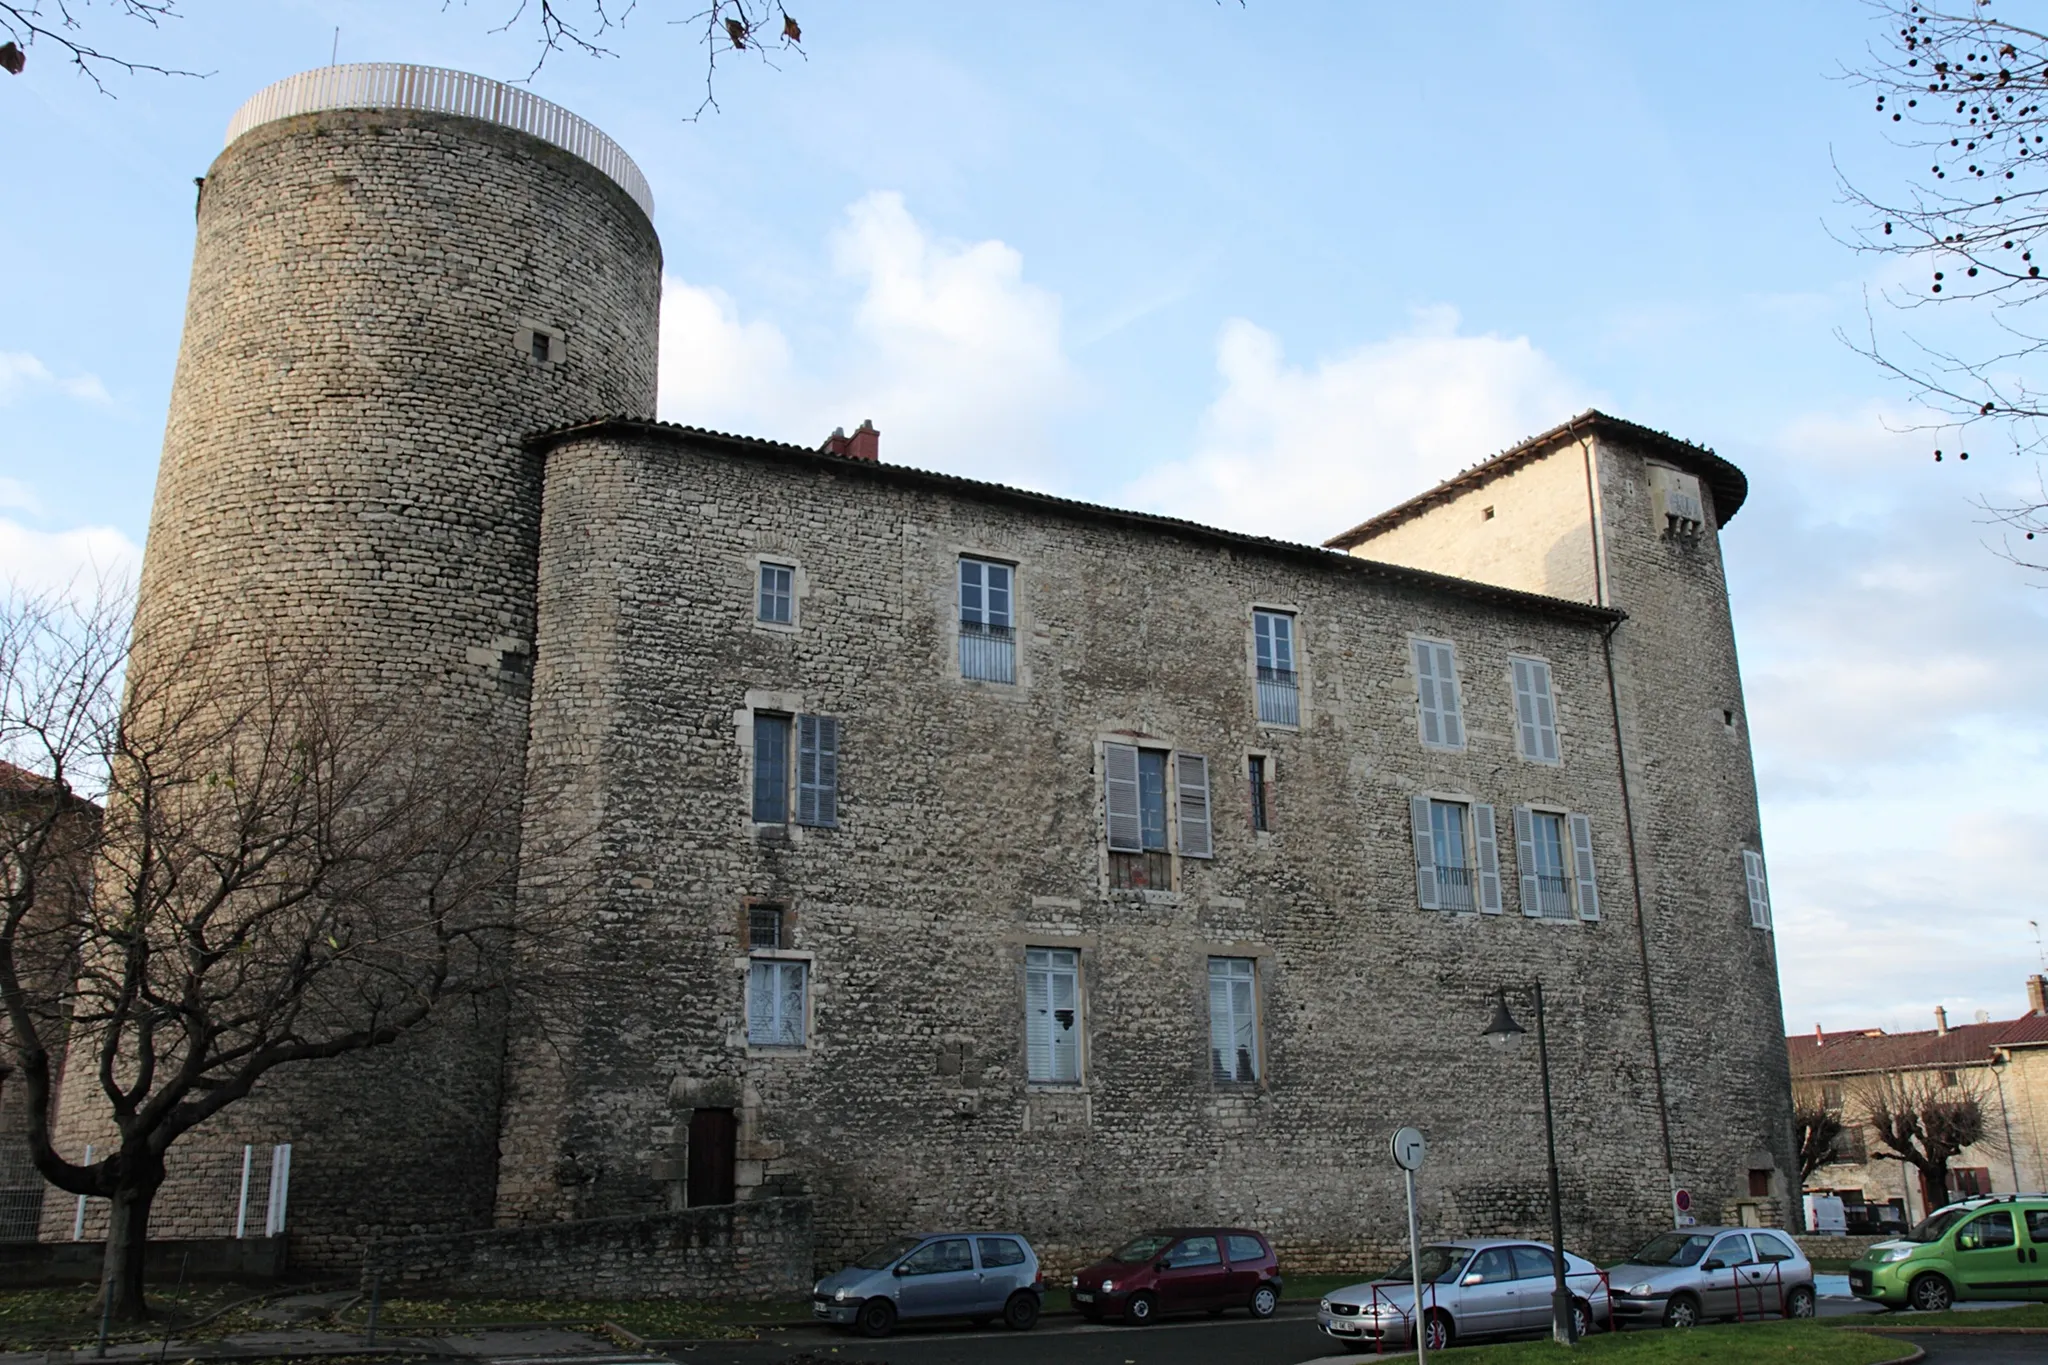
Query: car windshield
x: 886, y: 1255
x: 1142, y: 1248
x: 1439, y: 1264
x: 1932, y: 1229
x: 1673, y: 1248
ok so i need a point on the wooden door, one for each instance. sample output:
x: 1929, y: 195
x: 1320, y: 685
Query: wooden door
x: 714, y: 1143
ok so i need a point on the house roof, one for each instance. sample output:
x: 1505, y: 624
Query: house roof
x: 1730, y: 485
x: 16, y: 781
x: 1859, y: 1051
x: 1583, y: 613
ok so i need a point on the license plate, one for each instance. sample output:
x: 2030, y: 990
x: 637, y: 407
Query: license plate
x: 1084, y: 1298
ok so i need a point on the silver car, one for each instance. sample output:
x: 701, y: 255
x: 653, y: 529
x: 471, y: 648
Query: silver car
x: 981, y: 1276
x: 1480, y: 1288
x: 1700, y: 1274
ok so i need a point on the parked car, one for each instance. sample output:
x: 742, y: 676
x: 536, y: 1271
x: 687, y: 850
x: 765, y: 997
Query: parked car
x: 1180, y: 1270
x: 1480, y: 1288
x: 1680, y: 1279
x: 980, y: 1276
x: 1988, y: 1248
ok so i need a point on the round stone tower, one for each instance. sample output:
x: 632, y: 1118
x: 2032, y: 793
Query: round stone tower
x: 400, y: 272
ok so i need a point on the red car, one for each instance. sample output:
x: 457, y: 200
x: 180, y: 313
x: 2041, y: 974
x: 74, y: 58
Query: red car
x: 1181, y: 1270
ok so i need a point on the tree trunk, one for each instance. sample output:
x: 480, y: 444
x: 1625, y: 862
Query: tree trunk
x: 128, y: 1242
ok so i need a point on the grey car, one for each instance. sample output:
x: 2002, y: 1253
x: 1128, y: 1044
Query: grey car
x: 1480, y: 1288
x: 1701, y: 1274
x: 980, y: 1276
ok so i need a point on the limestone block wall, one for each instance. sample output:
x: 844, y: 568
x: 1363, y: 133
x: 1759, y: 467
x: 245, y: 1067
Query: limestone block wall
x: 343, y: 485
x: 971, y: 830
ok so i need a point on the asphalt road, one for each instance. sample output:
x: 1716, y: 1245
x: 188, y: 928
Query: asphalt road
x: 1987, y: 1350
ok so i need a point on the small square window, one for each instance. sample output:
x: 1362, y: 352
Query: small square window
x: 775, y: 604
x: 542, y: 347
x: 765, y: 927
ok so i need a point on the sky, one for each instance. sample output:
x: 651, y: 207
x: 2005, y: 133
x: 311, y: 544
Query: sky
x: 1269, y: 266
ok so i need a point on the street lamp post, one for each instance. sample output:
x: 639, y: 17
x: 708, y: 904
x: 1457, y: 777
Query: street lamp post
x: 1503, y: 1031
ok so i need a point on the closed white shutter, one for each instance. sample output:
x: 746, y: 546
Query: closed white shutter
x: 1546, y: 712
x: 1220, y: 1059
x: 1582, y: 866
x: 1426, y: 693
x: 817, y: 770
x: 1425, y: 855
x: 1489, y: 858
x: 1759, y: 889
x: 1065, y: 980
x: 1447, y: 696
x: 1037, y: 1018
x: 1120, y: 798
x: 1525, y: 861
x: 1192, y: 773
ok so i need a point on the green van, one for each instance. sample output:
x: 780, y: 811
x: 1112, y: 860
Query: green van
x: 1987, y: 1248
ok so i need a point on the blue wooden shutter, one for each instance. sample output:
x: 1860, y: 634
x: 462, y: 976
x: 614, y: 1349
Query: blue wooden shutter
x: 1447, y: 696
x: 1426, y: 693
x: 1525, y: 861
x: 1191, y: 772
x: 817, y: 770
x: 1120, y: 798
x: 1483, y: 835
x: 1425, y: 855
x: 1582, y: 867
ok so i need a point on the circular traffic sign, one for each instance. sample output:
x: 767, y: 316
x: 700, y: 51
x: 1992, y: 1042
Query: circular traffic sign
x: 1407, y: 1147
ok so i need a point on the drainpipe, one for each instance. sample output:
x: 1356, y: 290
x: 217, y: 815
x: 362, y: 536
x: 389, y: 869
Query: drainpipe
x: 1998, y: 1065
x: 1628, y: 816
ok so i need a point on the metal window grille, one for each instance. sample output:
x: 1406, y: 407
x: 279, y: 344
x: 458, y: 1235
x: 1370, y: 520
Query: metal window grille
x: 764, y: 927
x: 1141, y: 871
x: 1553, y: 880
x: 21, y: 1192
x: 1279, y: 696
x: 1279, y: 692
x: 1258, y: 786
x: 988, y: 653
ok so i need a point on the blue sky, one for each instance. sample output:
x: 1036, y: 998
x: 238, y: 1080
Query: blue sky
x: 1272, y: 267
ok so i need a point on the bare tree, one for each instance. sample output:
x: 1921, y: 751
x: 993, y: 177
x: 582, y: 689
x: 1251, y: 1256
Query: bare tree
x: 1967, y: 90
x: 282, y: 878
x: 724, y: 29
x: 1819, y: 1129
x: 1927, y: 1118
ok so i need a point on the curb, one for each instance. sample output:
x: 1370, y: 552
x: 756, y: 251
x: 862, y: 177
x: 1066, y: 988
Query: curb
x: 1953, y: 1331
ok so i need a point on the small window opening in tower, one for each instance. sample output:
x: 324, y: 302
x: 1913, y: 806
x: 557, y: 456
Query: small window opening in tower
x: 1728, y: 719
x: 1486, y: 514
x: 541, y: 347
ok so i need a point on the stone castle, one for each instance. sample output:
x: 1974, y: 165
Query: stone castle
x: 969, y: 855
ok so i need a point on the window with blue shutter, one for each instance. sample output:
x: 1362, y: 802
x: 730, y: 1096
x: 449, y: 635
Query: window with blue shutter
x: 1436, y: 693
x: 1052, y: 1015
x: 1542, y: 850
x: 1425, y: 853
x: 1233, y: 1020
x: 1120, y: 797
x: 1486, y: 842
x: 1535, y: 710
x: 817, y: 771
x: 1586, y: 883
x: 1191, y: 773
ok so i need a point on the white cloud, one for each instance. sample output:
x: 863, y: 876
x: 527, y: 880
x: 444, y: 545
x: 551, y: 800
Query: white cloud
x: 1302, y: 452
x: 22, y: 373
x: 75, y: 562
x: 953, y: 354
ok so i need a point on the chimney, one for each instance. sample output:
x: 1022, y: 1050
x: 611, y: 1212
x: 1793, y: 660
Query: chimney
x: 1819, y: 1039
x: 1940, y: 1022
x: 2037, y: 994
x: 864, y: 444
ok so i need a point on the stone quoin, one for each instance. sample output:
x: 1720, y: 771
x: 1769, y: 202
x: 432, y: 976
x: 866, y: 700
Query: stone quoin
x: 966, y: 855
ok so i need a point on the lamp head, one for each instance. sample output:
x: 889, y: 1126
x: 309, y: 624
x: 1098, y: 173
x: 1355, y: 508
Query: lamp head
x: 1502, y: 1031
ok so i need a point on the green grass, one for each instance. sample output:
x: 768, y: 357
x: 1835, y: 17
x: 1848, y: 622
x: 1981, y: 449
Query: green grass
x: 1766, y: 1343
x: 31, y: 1318
x: 658, y: 1319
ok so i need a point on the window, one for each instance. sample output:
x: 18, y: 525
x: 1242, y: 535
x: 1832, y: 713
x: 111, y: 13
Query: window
x: 1436, y: 690
x: 775, y: 1002
x: 1279, y: 692
x: 1492, y: 1266
x: 1134, y: 799
x: 988, y: 631
x: 1831, y: 1096
x: 1986, y: 1231
x: 1052, y: 1015
x: 1454, y: 869
x: 771, y: 769
x: 1195, y: 1251
x: 1535, y: 710
x: 939, y: 1258
x: 1759, y: 889
x: 1256, y: 770
x: 1243, y: 1249
x: 1534, y: 1263
x: 1759, y: 1184
x: 1233, y: 1020
x: 1948, y: 1080
x: 999, y: 1251
x: 1555, y: 853
x: 1732, y: 1250
x: 776, y: 601
x: 2037, y: 1225
x: 1771, y: 1248
x: 765, y: 928
x: 815, y: 767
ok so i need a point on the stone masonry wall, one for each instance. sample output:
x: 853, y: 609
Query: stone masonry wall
x: 344, y: 486
x: 971, y: 829
x: 756, y: 1250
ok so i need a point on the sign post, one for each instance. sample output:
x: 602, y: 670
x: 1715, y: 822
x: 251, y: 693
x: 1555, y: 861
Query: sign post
x: 1681, y: 1209
x: 1407, y: 1148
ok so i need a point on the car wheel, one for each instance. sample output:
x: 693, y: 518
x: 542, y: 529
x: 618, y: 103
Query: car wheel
x: 1799, y: 1303
x: 1437, y: 1331
x: 877, y: 1318
x: 1265, y: 1302
x: 1582, y: 1319
x: 1682, y: 1311
x: 1140, y: 1309
x: 1020, y: 1314
x: 1931, y: 1294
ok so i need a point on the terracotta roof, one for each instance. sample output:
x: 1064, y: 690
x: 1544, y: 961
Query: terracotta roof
x: 1730, y: 485
x: 1875, y: 1050
x: 1582, y: 612
x: 2025, y: 1031
x: 19, y: 781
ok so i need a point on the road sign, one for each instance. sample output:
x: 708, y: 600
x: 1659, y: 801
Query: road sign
x: 1682, y: 1200
x: 1407, y: 1147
